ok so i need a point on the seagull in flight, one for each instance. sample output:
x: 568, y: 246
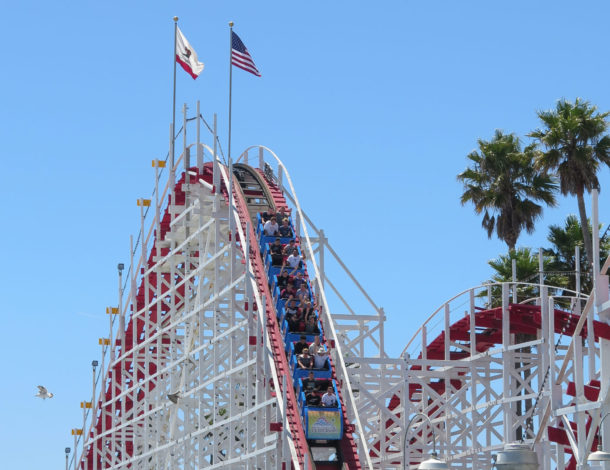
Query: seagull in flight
x: 173, y: 397
x: 43, y: 393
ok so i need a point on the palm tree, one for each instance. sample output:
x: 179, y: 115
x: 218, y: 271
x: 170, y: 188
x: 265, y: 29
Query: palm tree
x: 564, y: 239
x: 527, y: 264
x: 504, y: 185
x: 573, y: 134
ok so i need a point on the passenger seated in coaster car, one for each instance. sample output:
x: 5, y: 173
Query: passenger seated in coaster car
x: 285, y: 229
x: 282, y: 214
x: 320, y: 359
x: 289, y: 248
x: 298, y: 280
x: 288, y: 292
x: 310, y: 384
x: 300, y: 345
x: 304, y: 360
x: 312, y: 399
x: 282, y: 279
x: 271, y: 228
x: 302, y: 293
x: 308, y: 310
x: 329, y: 399
x: 311, y: 326
x: 294, y: 261
x: 313, y: 347
x: 267, y: 214
x: 294, y: 318
x: 275, y: 248
x: 292, y: 307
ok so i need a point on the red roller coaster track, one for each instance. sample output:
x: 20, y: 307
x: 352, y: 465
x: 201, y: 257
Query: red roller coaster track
x: 524, y: 319
x: 116, y: 402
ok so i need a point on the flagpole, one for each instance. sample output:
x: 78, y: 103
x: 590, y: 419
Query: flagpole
x: 173, y: 132
x: 230, y: 80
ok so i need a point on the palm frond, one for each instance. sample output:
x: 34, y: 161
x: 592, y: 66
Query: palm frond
x: 506, y: 187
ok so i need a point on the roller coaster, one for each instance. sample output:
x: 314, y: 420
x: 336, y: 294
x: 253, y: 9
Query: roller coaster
x: 200, y: 367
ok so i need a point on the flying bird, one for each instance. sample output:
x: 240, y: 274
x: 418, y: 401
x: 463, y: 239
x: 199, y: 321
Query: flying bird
x: 43, y: 393
x: 173, y: 397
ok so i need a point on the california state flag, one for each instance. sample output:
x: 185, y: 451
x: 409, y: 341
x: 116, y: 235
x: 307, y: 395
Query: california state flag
x: 186, y: 56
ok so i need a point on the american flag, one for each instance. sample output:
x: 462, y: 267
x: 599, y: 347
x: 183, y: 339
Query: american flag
x: 240, y: 57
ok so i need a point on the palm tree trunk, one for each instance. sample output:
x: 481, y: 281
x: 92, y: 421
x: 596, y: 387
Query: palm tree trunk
x: 585, y: 230
x: 511, y: 242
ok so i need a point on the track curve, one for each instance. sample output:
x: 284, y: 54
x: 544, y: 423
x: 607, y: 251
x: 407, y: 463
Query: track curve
x: 479, y: 336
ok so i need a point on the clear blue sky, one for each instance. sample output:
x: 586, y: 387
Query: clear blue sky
x: 372, y: 106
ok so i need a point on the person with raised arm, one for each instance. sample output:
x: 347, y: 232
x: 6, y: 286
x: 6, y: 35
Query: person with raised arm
x: 282, y: 280
x: 320, y: 359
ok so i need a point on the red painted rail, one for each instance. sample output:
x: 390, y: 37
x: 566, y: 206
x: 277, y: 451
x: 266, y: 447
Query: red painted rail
x: 348, y: 447
x: 523, y: 319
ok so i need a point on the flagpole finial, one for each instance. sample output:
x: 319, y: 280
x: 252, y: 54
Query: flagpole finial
x: 176, y: 19
x: 231, y: 24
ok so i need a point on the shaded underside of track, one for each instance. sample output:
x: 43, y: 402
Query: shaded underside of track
x: 524, y: 319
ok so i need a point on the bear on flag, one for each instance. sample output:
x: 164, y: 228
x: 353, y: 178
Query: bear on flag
x: 186, y: 56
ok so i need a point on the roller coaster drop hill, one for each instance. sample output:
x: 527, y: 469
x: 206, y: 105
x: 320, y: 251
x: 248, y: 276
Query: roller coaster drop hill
x: 140, y: 372
x: 199, y: 370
